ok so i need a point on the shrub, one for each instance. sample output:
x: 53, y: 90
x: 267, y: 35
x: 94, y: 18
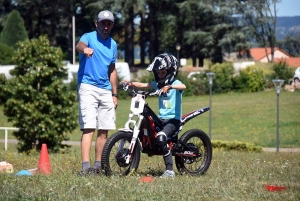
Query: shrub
x: 256, y: 79
x: 236, y: 146
x: 189, y: 85
x: 39, y: 104
x: 149, y: 77
x: 6, y: 54
x: 251, y: 79
x: 282, y: 71
x: 13, y: 30
x: 240, y: 82
x: 224, y: 74
x: 73, y: 84
x: 3, y: 96
x: 197, y: 86
x: 268, y: 81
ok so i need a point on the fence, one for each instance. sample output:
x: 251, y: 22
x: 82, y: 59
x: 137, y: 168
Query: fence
x: 6, y: 134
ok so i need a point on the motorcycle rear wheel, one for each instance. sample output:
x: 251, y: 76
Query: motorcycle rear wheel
x: 199, y: 143
x: 114, y: 152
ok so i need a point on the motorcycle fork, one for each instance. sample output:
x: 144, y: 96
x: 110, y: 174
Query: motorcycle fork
x: 136, y: 131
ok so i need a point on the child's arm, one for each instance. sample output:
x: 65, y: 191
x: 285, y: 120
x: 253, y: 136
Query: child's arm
x: 173, y: 86
x: 139, y: 84
x: 178, y: 86
x: 142, y: 85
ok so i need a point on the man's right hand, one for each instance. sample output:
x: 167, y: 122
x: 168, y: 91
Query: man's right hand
x: 88, y: 52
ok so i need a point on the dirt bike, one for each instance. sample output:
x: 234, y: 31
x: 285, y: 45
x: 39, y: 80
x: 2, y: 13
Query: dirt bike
x: 122, y: 150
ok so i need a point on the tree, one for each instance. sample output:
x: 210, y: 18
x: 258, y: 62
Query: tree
x: 169, y: 27
x: 6, y: 54
x: 260, y: 16
x: 141, y: 32
x: 154, y: 30
x: 54, y: 19
x: 290, y: 44
x: 6, y: 6
x: 125, y: 9
x: 129, y: 31
x: 210, y: 28
x: 14, y: 29
x: 40, y: 104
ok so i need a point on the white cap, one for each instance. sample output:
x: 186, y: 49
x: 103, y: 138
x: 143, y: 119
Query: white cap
x: 105, y: 15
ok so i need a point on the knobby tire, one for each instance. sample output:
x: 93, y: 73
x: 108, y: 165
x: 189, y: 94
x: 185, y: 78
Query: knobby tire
x: 116, y: 142
x: 200, y: 164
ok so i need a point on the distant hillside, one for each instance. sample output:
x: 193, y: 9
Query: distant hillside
x: 287, y: 26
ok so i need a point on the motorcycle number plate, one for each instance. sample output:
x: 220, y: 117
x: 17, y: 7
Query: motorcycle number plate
x: 137, y: 105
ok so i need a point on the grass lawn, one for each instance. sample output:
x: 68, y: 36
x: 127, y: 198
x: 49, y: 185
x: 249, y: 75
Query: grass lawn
x: 245, y: 117
x: 231, y: 176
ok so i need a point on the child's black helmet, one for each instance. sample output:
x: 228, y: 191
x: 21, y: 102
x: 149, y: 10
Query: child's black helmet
x: 167, y: 62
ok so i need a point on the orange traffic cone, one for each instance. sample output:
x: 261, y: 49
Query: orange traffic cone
x: 44, y: 166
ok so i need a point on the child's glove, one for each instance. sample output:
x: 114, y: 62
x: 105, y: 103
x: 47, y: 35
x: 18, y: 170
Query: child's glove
x: 164, y: 90
x: 126, y: 84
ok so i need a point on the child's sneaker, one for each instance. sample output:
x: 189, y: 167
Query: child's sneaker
x: 168, y: 174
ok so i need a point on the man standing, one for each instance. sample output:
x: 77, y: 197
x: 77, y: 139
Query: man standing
x: 97, y: 88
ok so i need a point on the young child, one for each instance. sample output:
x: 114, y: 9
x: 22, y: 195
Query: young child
x: 164, y: 67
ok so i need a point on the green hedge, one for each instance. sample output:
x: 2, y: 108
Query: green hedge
x: 235, y: 146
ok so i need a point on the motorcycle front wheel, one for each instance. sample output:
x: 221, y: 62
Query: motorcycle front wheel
x: 115, y: 152
x: 198, y: 143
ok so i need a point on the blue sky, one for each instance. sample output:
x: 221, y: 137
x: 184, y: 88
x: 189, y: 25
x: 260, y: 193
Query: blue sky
x: 288, y: 8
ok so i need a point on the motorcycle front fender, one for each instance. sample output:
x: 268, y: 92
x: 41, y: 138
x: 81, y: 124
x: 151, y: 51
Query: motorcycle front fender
x: 130, y: 131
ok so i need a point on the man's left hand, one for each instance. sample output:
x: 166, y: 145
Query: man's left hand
x: 115, y: 99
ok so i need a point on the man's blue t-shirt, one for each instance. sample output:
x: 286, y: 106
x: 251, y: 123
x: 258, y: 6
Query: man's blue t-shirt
x: 94, y: 70
x: 170, y: 103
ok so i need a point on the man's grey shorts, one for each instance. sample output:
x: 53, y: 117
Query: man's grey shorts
x: 96, y: 108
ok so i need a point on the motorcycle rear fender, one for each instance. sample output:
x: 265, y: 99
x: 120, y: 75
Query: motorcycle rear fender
x: 185, y: 118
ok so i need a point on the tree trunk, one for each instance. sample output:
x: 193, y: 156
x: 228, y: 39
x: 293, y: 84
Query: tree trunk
x: 201, y: 60
x: 218, y: 56
x: 129, y: 48
x: 70, y: 41
x: 153, y: 24
x: 194, y: 60
x: 142, y: 41
x: 272, y: 33
x: 54, y: 21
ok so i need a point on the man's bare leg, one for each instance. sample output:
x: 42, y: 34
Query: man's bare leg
x: 100, y: 141
x: 86, y: 142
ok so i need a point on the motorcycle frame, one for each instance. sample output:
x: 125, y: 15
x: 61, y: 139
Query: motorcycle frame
x: 140, y: 109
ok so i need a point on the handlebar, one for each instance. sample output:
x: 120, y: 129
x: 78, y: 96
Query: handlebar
x: 130, y: 89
